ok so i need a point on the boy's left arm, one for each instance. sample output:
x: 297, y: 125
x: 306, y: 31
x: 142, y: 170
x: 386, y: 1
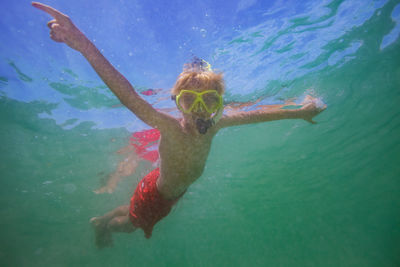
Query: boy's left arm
x: 309, y: 110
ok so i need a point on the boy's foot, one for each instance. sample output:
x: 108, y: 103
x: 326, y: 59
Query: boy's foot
x: 103, y: 234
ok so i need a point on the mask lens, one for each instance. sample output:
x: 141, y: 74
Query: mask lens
x: 186, y: 100
x: 212, y: 100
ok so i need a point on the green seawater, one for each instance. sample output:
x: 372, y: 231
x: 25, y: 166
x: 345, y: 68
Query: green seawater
x: 284, y: 193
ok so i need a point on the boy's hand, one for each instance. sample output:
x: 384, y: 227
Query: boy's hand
x: 62, y: 29
x: 311, y: 108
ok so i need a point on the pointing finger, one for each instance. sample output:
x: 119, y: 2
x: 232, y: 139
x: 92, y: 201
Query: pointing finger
x: 51, y: 11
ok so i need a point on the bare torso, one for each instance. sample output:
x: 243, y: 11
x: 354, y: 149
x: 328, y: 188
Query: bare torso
x: 183, y: 154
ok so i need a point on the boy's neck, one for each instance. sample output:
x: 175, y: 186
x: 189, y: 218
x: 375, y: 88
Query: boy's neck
x: 188, y: 123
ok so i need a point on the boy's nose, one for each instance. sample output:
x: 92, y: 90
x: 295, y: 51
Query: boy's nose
x: 198, y: 108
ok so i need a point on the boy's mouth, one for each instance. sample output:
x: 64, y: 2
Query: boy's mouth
x: 203, y: 125
x: 201, y: 121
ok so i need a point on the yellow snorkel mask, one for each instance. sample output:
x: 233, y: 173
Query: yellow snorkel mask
x: 189, y: 101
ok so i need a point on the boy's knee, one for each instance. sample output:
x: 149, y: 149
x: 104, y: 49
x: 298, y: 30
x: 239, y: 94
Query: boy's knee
x: 114, y: 223
x: 120, y: 224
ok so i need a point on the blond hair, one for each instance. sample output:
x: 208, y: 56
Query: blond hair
x: 198, y: 79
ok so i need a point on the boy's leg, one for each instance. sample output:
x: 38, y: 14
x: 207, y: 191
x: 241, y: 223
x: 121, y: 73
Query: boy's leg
x: 121, y: 224
x: 116, y: 220
x: 119, y: 211
x: 125, y: 168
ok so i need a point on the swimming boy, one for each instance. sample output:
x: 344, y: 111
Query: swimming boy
x: 184, y: 144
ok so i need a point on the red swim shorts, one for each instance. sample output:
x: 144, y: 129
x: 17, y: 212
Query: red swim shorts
x: 147, y: 205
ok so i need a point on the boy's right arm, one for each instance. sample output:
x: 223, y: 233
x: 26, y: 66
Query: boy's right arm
x: 63, y: 30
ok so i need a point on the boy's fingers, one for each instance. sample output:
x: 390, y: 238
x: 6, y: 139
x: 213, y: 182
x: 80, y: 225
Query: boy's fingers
x: 50, y: 23
x: 311, y: 121
x: 51, y: 11
x: 56, y: 38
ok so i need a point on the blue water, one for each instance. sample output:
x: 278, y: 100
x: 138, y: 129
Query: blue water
x: 284, y: 193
